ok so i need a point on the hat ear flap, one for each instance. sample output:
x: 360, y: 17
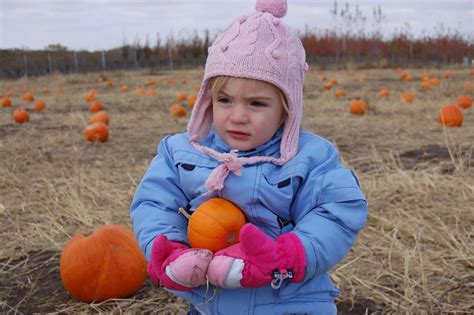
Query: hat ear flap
x: 200, y: 122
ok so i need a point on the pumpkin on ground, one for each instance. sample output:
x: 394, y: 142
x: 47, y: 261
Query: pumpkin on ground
x: 90, y: 95
x: 28, y: 97
x: 6, y: 102
x: 177, y: 110
x: 340, y: 93
x: 181, y: 96
x: 39, y: 106
x: 408, y: 97
x: 451, y: 115
x: 97, y: 131
x: 20, y: 115
x: 191, y: 100
x: 215, y: 224
x: 96, y: 106
x: 102, y: 264
x: 358, y: 107
x: 384, y: 93
x: 465, y: 101
x: 102, y: 116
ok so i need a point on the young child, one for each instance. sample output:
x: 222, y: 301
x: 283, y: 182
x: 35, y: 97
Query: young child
x: 243, y: 142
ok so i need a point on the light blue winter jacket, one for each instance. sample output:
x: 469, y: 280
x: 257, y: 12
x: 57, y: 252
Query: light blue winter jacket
x: 313, y: 195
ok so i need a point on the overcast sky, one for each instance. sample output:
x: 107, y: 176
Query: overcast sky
x: 104, y: 24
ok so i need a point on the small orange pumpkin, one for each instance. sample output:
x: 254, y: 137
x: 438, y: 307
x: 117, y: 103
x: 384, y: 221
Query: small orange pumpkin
x: 191, y: 100
x: 358, y: 107
x: 465, y: 101
x: 197, y: 88
x: 451, y: 115
x: 446, y: 74
x: 408, y: 97
x: 90, y: 95
x: 181, y: 96
x: 97, y: 131
x: 102, y: 116
x: 177, y: 110
x: 124, y: 89
x: 215, y: 224
x: 384, y: 93
x: 6, y: 102
x: 102, y: 264
x: 39, y: 106
x: 20, y: 115
x: 339, y: 93
x: 96, y: 106
x: 327, y: 86
x: 28, y: 97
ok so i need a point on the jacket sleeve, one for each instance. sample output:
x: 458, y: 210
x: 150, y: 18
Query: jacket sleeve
x: 154, y: 209
x: 334, y: 210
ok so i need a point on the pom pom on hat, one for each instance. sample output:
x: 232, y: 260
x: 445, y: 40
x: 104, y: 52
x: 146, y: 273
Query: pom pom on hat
x: 277, y: 8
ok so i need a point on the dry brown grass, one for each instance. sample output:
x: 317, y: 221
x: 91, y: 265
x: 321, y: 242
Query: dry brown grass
x: 414, y: 256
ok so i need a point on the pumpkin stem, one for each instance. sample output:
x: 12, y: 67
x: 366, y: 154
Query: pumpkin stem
x: 184, y: 212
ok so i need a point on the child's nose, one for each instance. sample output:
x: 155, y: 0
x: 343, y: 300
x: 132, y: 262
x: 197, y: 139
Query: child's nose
x: 239, y: 115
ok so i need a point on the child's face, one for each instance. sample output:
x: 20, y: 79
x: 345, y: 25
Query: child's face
x: 247, y: 113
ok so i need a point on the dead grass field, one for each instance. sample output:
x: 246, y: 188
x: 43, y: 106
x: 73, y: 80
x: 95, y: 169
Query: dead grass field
x: 415, y: 256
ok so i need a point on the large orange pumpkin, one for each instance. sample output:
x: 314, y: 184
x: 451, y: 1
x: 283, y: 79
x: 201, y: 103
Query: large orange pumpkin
x: 102, y: 264
x: 97, y: 131
x: 451, y: 115
x: 215, y: 224
x: 465, y: 101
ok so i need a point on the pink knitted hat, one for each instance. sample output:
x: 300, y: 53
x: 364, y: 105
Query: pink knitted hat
x: 255, y: 46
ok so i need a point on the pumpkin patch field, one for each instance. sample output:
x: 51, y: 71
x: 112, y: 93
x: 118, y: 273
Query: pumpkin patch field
x: 72, y: 162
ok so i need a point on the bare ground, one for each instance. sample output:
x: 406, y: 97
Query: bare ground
x: 414, y: 256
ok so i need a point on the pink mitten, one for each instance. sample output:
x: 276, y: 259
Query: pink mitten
x: 257, y: 260
x: 176, y: 266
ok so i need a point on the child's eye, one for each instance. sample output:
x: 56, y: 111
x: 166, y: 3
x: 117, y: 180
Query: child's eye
x: 258, y: 104
x: 224, y: 100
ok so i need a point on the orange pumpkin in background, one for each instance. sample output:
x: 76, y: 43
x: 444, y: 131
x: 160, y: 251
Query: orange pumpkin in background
x: 97, y: 131
x: 340, y: 93
x: 191, y: 100
x: 451, y: 115
x: 6, y: 102
x: 181, y: 96
x: 20, y: 115
x: 39, y: 106
x: 102, y: 264
x: 28, y: 97
x: 465, y: 101
x: 177, y: 110
x: 96, y: 106
x: 384, y: 93
x: 215, y: 224
x: 358, y: 107
x: 90, y: 95
x: 102, y: 116
x: 408, y: 97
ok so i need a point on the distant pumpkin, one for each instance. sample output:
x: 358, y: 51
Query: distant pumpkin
x: 102, y: 116
x: 177, y: 110
x: 339, y: 93
x: 446, y: 74
x: 28, y: 97
x: 39, y: 106
x: 20, y: 115
x: 90, y: 96
x: 124, y: 89
x: 408, y: 97
x: 465, y: 101
x: 358, y: 107
x: 327, y: 86
x: 181, y: 96
x: 451, y: 115
x: 6, y: 102
x: 97, y: 131
x: 191, y: 100
x: 384, y: 93
x: 96, y: 106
